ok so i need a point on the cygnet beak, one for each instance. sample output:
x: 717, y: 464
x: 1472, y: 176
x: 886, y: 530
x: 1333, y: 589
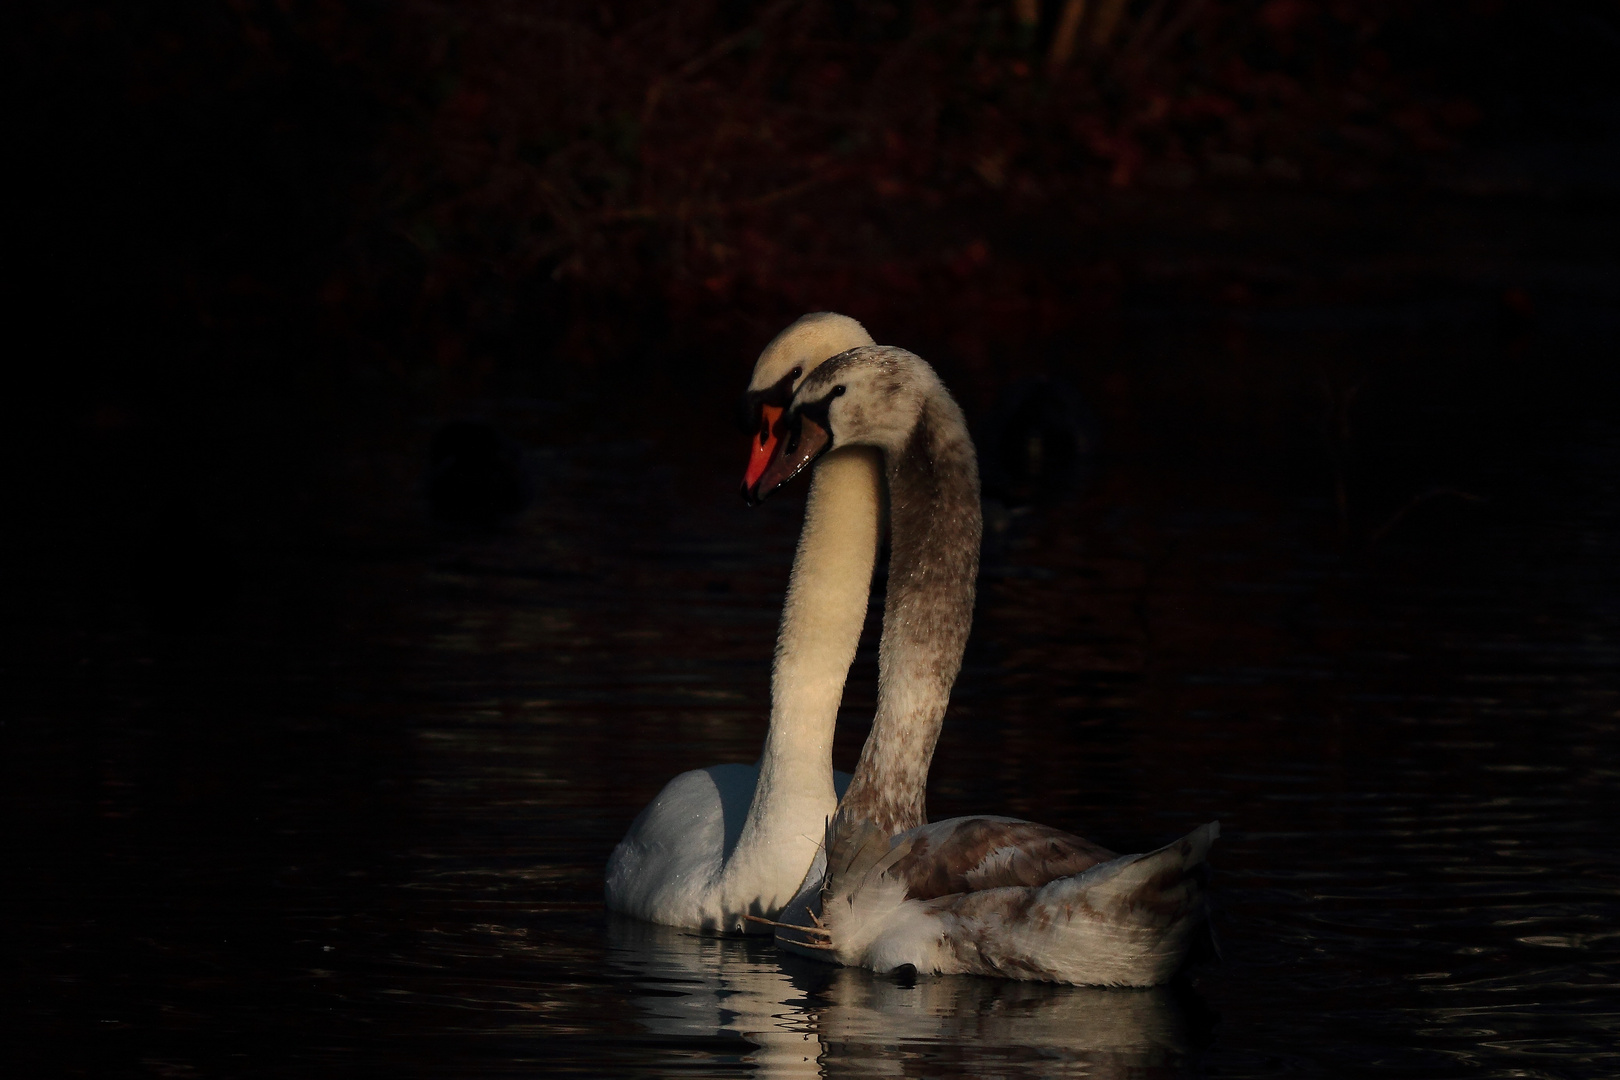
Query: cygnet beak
x: 786, y: 456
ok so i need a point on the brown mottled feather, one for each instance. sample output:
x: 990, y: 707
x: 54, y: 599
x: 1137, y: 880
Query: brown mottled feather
x: 984, y: 853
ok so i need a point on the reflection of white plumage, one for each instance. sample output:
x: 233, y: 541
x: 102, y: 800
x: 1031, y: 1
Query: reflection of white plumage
x: 814, y: 1021
x: 706, y: 987
x: 982, y: 895
x: 720, y: 843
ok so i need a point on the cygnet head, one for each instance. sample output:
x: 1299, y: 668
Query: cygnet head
x: 790, y: 357
x: 870, y: 396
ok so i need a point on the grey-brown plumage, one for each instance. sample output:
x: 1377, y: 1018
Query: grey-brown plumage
x: 1120, y: 921
x: 991, y: 853
x: 925, y: 626
x: 975, y: 854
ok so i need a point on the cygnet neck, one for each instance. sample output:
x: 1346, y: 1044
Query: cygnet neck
x: 935, y: 528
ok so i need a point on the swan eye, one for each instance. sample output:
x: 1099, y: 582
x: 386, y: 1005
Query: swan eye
x: 795, y: 373
x: 838, y: 391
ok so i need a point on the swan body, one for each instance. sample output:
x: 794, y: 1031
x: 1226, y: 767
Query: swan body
x: 981, y: 895
x: 720, y: 843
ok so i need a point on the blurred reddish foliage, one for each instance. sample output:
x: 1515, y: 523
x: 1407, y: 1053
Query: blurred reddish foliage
x: 564, y: 176
x: 705, y: 150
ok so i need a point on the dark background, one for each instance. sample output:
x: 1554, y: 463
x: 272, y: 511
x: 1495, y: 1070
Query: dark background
x: 244, y: 233
x: 1350, y: 266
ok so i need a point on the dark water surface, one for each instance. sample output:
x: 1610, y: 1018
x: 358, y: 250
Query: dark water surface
x: 313, y: 806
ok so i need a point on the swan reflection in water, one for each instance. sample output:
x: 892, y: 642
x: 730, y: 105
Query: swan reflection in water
x: 796, y: 1018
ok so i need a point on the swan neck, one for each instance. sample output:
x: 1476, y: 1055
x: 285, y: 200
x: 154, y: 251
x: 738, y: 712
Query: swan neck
x: 935, y: 530
x: 820, y: 629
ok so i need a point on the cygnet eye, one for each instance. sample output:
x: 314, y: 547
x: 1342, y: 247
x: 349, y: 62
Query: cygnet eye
x: 838, y: 391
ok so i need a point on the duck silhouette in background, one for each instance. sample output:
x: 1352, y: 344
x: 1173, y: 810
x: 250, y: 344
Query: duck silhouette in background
x: 476, y: 476
x: 1039, y: 444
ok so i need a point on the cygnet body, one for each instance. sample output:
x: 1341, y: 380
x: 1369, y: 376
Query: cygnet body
x: 985, y: 895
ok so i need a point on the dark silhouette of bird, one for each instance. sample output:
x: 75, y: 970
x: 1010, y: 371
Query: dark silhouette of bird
x: 476, y: 476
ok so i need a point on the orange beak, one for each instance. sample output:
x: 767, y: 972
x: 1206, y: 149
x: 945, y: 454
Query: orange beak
x: 784, y: 460
x: 762, y: 447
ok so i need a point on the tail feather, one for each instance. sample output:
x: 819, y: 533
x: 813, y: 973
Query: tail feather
x: 1160, y: 887
x: 1129, y: 921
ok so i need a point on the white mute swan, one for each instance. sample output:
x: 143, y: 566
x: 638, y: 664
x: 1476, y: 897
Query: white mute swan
x: 720, y: 843
x: 973, y: 895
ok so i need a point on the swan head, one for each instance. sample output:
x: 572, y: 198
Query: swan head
x: 786, y: 362
x: 868, y: 396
